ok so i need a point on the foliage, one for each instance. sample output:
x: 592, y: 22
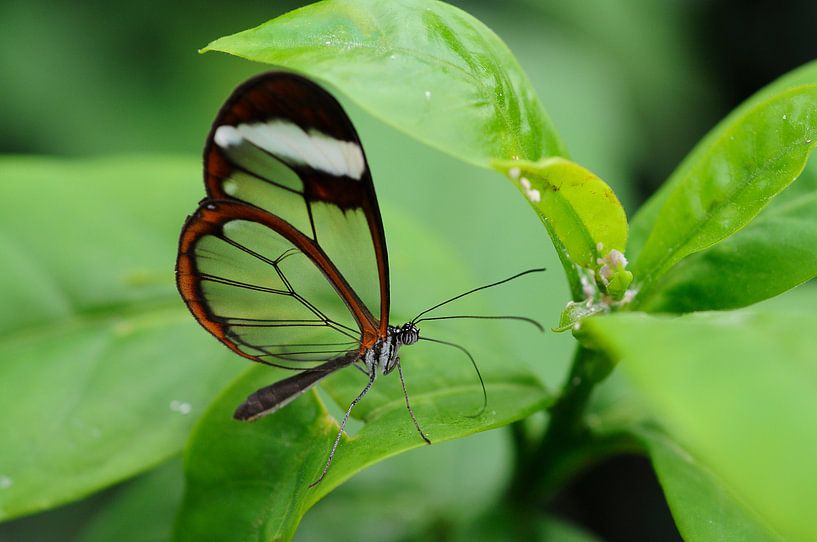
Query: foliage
x: 108, y: 376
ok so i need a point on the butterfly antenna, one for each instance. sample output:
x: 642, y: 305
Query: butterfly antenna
x: 531, y: 321
x: 474, y: 363
x: 438, y: 305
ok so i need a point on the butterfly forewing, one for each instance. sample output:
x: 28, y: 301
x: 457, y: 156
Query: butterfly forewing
x: 286, y: 262
x: 283, y: 144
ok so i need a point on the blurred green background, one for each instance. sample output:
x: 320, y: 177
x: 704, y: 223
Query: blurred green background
x: 630, y: 84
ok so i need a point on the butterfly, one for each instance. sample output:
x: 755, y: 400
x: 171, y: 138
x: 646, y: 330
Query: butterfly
x: 285, y: 260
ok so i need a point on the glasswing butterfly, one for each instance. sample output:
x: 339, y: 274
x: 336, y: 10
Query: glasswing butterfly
x: 285, y: 260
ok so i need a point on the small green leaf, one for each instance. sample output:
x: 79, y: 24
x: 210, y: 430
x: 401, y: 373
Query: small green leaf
x: 646, y: 217
x: 424, y: 67
x: 771, y: 255
x: 103, y: 370
x: 249, y: 481
x: 760, y: 154
x: 574, y: 312
x: 738, y: 391
x: 580, y: 211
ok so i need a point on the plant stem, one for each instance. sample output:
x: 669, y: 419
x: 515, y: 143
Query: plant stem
x: 567, y: 445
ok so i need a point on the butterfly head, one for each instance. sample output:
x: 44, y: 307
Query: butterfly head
x: 387, y: 349
x: 407, y: 334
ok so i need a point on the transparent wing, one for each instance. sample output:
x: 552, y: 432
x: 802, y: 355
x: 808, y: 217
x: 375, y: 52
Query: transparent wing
x: 283, y: 144
x: 265, y: 289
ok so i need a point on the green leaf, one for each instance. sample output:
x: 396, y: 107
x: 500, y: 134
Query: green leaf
x: 730, y: 180
x: 774, y: 253
x: 704, y: 508
x: 646, y: 217
x: 249, y: 481
x: 412, y: 493
x: 581, y: 213
x: 103, y: 369
x: 737, y: 391
x: 424, y: 67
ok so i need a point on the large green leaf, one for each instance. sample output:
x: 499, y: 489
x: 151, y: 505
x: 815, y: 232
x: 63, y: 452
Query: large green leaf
x: 250, y: 481
x: 646, y: 217
x: 580, y: 211
x: 422, y: 66
x: 103, y: 371
x: 771, y: 255
x: 731, y: 180
x: 412, y: 493
x: 738, y: 392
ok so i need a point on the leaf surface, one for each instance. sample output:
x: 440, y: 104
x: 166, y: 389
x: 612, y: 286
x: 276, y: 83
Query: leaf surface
x: 425, y: 67
x: 738, y: 393
x: 102, y: 369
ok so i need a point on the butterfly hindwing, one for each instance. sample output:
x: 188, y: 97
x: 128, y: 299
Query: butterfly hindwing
x: 252, y: 280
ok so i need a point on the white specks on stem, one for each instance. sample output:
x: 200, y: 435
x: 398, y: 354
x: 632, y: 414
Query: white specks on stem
x: 611, y: 263
x: 588, y: 288
x: 628, y: 296
x: 531, y: 193
x: 6, y: 482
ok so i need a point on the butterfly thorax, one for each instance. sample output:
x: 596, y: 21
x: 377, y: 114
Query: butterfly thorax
x: 384, y: 354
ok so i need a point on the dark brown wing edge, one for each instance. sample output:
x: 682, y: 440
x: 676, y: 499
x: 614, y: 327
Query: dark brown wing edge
x: 304, y: 102
x: 209, y: 218
x: 271, y: 398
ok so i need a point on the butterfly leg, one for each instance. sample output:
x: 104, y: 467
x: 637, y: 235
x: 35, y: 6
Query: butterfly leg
x: 408, y: 405
x: 342, y: 426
